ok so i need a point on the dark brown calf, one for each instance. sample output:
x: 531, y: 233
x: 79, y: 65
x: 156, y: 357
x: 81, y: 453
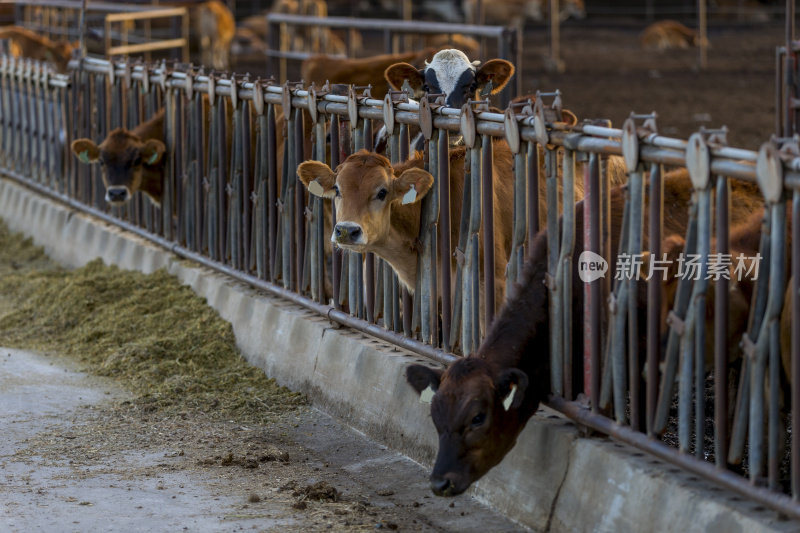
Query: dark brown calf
x: 482, y: 402
x: 130, y: 160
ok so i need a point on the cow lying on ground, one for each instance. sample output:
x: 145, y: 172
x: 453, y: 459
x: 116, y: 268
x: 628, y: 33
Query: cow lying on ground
x: 131, y: 160
x: 668, y: 34
x: 483, y: 401
x: 28, y: 44
x: 378, y: 206
x: 516, y: 12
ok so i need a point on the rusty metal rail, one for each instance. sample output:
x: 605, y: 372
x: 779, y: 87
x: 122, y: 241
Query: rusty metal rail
x: 232, y: 202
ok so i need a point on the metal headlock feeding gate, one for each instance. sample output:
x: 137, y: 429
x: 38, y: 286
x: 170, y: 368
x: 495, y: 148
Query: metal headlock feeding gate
x: 232, y: 202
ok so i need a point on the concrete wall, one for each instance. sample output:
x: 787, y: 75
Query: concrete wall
x: 552, y: 480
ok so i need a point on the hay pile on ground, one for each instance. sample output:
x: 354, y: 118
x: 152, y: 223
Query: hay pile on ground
x: 154, y: 335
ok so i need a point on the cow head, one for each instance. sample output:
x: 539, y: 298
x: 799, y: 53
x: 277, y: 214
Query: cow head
x: 123, y: 158
x: 475, y: 411
x: 451, y: 72
x: 365, y: 189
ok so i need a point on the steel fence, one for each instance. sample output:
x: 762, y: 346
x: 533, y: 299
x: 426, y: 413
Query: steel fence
x: 232, y: 202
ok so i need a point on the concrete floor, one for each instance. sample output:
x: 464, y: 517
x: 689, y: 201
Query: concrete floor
x: 42, y: 394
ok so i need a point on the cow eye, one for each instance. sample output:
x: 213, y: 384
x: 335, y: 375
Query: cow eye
x: 336, y: 190
x: 425, y: 87
x: 381, y: 195
x: 478, y: 419
x: 138, y: 160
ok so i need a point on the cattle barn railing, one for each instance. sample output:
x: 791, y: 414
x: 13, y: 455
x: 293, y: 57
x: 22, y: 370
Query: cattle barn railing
x: 506, y: 39
x: 231, y: 211
x: 159, y: 28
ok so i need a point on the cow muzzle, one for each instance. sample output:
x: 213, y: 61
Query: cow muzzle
x: 444, y: 486
x: 117, y: 195
x: 348, y: 233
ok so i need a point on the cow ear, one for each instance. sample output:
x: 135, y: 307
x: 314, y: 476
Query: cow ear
x: 318, y: 178
x: 153, y: 151
x: 86, y: 150
x: 421, y: 377
x: 569, y: 117
x: 511, y: 381
x: 399, y: 72
x: 497, y: 71
x: 411, y: 186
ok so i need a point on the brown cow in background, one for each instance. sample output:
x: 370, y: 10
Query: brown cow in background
x: 26, y: 43
x: 668, y: 34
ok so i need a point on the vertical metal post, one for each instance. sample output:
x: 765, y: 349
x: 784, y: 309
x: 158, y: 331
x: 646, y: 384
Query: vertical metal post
x: 445, y: 255
x: 593, y: 290
x: 721, y: 303
x: 656, y: 223
x: 487, y: 206
x: 795, y: 345
x: 702, y: 26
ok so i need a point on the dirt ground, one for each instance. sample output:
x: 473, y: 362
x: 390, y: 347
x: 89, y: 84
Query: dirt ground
x: 608, y: 75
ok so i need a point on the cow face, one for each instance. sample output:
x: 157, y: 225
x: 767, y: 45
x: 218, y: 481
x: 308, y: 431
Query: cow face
x: 365, y: 190
x: 474, y: 409
x: 123, y: 158
x: 450, y: 72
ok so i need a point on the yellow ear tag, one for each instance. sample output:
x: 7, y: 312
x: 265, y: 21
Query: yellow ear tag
x: 427, y: 395
x: 510, y: 398
x: 315, y: 188
x: 410, y: 196
x: 84, y: 156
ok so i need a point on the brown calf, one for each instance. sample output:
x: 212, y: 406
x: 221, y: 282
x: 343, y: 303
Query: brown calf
x: 378, y: 208
x: 29, y: 44
x: 130, y: 160
x: 667, y: 34
x: 516, y: 12
x: 213, y: 23
x: 483, y: 401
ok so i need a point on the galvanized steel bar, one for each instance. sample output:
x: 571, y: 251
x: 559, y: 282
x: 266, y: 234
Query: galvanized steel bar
x: 655, y: 230
x: 556, y: 346
x: 445, y: 255
x: 795, y: 346
x: 487, y: 215
x: 721, y: 303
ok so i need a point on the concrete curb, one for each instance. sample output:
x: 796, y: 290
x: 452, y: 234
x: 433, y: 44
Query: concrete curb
x: 552, y: 480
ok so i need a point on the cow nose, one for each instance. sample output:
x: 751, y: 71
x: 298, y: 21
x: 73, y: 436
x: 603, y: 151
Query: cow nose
x: 347, y: 232
x: 439, y: 486
x: 117, y: 194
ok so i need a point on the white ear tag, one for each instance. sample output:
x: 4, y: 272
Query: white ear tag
x: 510, y: 398
x: 426, y: 395
x: 410, y: 196
x: 315, y: 188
